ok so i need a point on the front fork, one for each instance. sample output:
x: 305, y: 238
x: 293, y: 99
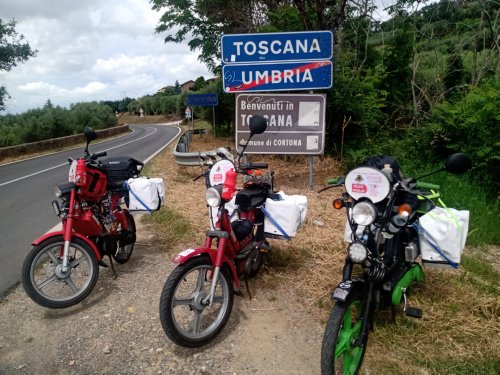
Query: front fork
x: 209, y: 299
x: 68, y: 231
x: 367, y: 308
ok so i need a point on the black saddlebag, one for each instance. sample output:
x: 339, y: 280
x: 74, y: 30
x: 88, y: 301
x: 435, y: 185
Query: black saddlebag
x: 251, y: 197
x: 119, y: 169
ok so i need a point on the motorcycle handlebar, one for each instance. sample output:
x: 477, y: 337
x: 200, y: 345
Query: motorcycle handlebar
x: 339, y: 180
x: 98, y: 155
x: 254, y: 166
x: 426, y: 185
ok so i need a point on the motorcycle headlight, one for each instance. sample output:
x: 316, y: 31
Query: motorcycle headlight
x: 57, y: 192
x: 364, y: 213
x: 357, y: 252
x: 213, y: 197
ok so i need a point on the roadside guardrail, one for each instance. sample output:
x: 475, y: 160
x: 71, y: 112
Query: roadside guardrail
x: 195, y: 159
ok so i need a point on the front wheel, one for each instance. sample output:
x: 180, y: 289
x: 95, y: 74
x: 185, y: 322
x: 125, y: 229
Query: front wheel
x: 184, y: 316
x: 339, y: 353
x: 47, y: 284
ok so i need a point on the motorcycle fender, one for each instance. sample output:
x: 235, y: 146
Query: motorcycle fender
x: 61, y: 233
x: 415, y: 273
x: 344, y: 289
x: 187, y: 254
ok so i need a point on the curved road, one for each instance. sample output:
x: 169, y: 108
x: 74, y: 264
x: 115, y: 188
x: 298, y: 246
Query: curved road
x: 27, y: 190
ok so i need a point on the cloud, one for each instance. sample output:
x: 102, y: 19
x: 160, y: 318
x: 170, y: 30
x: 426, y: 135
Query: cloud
x: 92, y: 50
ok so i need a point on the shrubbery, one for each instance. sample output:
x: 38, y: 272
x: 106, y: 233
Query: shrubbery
x: 52, y: 122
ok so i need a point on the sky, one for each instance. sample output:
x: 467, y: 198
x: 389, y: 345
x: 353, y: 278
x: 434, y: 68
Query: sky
x: 92, y: 50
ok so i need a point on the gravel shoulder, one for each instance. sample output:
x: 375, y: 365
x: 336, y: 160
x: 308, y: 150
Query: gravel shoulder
x: 116, y: 330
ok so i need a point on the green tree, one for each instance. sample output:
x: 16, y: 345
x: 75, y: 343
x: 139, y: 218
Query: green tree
x: 13, y: 50
x: 177, y: 88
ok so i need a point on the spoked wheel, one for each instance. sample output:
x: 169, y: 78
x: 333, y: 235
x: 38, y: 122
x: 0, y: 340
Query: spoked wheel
x: 185, y: 317
x: 339, y: 354
x: 47, y: 284
x: 124, y: 250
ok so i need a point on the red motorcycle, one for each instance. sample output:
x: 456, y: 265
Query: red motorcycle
x: 63, y: 266
x: 197, y: 298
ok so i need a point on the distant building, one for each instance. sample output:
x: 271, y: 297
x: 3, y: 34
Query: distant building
x: 167, y: 89
x: 186, y: 86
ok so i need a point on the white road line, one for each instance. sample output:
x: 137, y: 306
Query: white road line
x: 60, y: 165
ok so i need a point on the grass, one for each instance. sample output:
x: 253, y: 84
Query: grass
x: 460, y: 330
x: 172, y: 227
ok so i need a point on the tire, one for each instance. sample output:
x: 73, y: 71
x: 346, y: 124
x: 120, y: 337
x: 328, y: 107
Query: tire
x: 42, y: 266
x: 123, y: 253
x: 338, y: 355
x: 254, y: 263
x: 184, y: 319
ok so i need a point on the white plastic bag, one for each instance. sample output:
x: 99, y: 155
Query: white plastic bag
x: 289, y: 213
x: 442, y: 235
x: 145, y: 194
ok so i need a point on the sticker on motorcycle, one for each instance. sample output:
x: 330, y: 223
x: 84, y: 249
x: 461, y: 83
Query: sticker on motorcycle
x: 182, y: 254
x: 367, y: 182
x: 218, y: 171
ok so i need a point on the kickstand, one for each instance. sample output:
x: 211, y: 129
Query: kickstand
x: 248, y: 288
x: 112, y: 266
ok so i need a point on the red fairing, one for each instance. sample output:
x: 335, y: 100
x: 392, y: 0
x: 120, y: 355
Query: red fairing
x: 187, y: 254
x: 61, y: 233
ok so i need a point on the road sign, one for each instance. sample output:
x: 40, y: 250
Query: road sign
x: 305, y: 75
x: 268, y: 47
x: 202, y: 100
x: 296, y: 123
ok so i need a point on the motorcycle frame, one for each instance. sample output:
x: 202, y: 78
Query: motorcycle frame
x: 82, y: 224
x: 225, y: 252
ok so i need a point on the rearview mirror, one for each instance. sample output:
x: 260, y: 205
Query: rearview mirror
x: 457, y: 163
x: 89, y: 133
x: 258, y: 125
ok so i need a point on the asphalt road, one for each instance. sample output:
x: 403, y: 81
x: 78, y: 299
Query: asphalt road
x: 27, y: 190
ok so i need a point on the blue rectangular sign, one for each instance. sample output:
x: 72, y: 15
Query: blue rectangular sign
x: 202, y: 100
x: 305, y: 75
x: 268, y: 47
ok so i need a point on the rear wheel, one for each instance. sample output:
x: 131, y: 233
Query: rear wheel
x: 253, y: 263
x: 184, y: 316
x: 47, y: 284
x: 339, y: 354
x: 125, y: 248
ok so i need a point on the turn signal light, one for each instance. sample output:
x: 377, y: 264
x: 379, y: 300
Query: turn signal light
x: 404, y: 209
x: 338, y: 203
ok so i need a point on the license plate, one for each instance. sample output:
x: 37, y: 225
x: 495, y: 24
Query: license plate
x: 340, y: 294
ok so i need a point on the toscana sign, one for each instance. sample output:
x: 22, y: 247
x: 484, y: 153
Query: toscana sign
x: 273, y: 47
x: 296, y: 123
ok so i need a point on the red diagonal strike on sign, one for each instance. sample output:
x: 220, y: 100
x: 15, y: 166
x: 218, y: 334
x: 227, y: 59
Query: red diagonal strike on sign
x: 301, y: 69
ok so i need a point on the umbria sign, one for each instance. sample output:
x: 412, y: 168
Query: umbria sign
x: 296, y: 123
x: 306, y: 75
